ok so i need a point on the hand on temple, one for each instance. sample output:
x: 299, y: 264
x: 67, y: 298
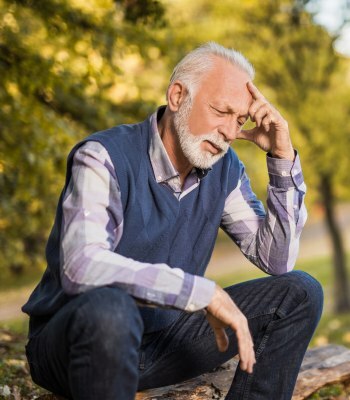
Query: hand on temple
x: 271, y: 132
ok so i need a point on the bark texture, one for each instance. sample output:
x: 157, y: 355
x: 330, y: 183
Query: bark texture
x: 321, y: 366
x: 341, y: 285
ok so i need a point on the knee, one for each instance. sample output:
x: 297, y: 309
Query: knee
x: 109, y: 316
x: 309, y: 291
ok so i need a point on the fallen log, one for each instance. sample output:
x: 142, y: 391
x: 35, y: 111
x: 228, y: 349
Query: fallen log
x: 321, y: 366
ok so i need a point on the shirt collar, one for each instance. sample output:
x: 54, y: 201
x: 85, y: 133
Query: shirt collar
x: 162, y: 167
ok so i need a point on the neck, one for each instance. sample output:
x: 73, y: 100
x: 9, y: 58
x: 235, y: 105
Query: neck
x: 172, y: 146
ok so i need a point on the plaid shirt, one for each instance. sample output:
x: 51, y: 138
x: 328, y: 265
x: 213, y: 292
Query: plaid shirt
x: 93, y: 225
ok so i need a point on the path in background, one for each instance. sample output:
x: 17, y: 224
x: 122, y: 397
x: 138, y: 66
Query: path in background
x: 226, y: 259
x: 12, y: 301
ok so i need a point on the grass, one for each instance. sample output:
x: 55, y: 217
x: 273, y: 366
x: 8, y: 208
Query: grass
x: 15, y: 381
x: 332, y: 392
x: 10, y: 282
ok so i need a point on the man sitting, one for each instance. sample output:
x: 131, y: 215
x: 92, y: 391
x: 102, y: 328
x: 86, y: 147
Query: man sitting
x: 123, y: 304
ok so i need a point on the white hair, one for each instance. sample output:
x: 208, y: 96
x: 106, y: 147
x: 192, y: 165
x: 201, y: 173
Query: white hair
x: 195, y: 64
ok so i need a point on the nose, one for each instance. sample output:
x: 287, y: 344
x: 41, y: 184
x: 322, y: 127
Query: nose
x: 229, y: 130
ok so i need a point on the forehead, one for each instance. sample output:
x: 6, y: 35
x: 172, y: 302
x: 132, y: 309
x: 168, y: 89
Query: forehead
x: 225, y: 85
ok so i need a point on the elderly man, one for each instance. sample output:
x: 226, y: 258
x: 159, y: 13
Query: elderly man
x: 123, y: 304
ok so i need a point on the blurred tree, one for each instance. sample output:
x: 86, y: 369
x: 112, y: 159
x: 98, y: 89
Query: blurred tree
x: 71, y: 67
x: 67, y: 68
x: 298, y: 69
x: 307, y: 76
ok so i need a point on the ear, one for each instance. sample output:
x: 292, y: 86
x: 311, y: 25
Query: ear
x: 176, y: 95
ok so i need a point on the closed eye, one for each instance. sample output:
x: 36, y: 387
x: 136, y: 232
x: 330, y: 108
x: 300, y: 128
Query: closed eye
x: 221, y: 112
x: 240, y: 122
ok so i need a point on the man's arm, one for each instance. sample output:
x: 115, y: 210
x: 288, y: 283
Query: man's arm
x: 269, y: 240
x: 92, y: 226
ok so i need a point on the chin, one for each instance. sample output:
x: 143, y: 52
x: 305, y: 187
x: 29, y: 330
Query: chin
x: 205, y: 159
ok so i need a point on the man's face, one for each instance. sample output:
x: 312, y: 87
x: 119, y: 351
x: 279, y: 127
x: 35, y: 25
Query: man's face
x: 207, y: 124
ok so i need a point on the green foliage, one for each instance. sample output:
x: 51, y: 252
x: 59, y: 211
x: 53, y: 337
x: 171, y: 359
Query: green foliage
x: 62, y: 71
x: 333, y: 328
x: 68, y: 68
x: 297, y: 69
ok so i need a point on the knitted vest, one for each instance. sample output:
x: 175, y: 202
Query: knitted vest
x: 158, y: 228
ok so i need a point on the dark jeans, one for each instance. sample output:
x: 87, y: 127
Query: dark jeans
x: 94, y: 347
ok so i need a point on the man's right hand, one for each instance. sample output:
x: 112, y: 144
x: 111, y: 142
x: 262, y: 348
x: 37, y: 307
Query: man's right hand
x: 222, y: 312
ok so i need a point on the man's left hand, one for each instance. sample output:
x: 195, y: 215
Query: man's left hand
x: 271, y: 132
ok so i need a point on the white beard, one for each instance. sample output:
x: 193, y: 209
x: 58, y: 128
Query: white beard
x: 191, y: 144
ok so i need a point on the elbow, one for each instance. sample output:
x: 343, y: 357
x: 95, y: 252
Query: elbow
x: 69, y: 283
x: 73, y: 265
x: 279, y: 267
x: 70, y: 287
x: 279, y: 271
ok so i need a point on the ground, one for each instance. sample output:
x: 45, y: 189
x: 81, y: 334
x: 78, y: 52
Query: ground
x: 16, y: 384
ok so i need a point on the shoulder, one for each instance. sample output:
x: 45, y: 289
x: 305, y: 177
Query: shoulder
x: 92, y: 148
x: 114, y: 139
x: 120, y: 132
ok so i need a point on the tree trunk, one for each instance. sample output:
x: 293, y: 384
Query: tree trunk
x: 341, y: 287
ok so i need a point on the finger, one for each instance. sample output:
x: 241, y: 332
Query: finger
x: 247, y: 134
x: 249, y: 367
x: 247, y: 360
x: 245, y: 352
x: 254, y: 91
x: 251, y: 363
x: 250, y: 360
x: 221, y: 339
x: 266, y: 123
x: 245, y: 346
x: 256, y: 105
x: 257, y: 114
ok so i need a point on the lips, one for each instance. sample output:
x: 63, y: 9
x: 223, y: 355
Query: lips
x: 213, y: 147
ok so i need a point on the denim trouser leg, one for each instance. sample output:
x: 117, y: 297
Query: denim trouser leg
x: 283, y: 312
x: 89, y: 349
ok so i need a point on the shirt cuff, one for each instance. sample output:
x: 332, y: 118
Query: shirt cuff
x: 201, y: 295
x: 283, y: 173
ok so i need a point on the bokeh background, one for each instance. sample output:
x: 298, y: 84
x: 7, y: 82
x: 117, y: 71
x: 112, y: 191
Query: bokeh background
x: 72, y: 67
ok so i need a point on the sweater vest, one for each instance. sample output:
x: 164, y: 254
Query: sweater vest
x: 157, y: 227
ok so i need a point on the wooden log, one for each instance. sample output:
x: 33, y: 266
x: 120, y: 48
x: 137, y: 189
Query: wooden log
x: 321, y: 366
